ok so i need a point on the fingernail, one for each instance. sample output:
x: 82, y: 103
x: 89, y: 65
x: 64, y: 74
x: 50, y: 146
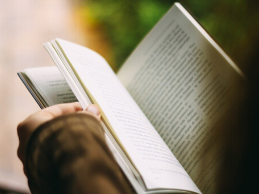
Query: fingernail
x: 94, y: 109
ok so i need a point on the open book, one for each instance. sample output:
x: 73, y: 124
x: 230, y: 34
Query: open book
x: 162, y: 110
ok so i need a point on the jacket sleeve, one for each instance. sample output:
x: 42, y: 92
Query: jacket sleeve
x: 69, y: 155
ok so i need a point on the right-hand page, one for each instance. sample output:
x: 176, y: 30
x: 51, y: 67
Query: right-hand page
x: 184, y: 83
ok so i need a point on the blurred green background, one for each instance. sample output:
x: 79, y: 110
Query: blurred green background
x: 233, y: 23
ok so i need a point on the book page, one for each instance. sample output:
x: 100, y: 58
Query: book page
x: 150, y: 155
x: 183, y: 82
x: 50, y: 85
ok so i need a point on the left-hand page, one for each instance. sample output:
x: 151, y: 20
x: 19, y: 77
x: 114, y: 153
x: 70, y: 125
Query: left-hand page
x: 47, y: 86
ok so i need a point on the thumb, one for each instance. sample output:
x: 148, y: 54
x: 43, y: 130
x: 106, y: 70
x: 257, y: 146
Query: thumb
x: 94, y: 110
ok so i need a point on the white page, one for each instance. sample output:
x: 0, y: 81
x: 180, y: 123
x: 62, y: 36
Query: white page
x: 183, y: 81
x: 51, y: 85
x: 147, y: 150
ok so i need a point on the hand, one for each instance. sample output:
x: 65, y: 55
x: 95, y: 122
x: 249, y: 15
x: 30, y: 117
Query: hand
x: 28, y: 126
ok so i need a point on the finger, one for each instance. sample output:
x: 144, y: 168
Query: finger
x: 53, y: 112
x: 61, y: 109
x: 93, y: 110
x: 38, y: 118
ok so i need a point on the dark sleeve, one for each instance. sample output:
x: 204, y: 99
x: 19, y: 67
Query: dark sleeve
x: 69, y: 155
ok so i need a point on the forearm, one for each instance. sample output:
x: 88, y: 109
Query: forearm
x: 69, y: 155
